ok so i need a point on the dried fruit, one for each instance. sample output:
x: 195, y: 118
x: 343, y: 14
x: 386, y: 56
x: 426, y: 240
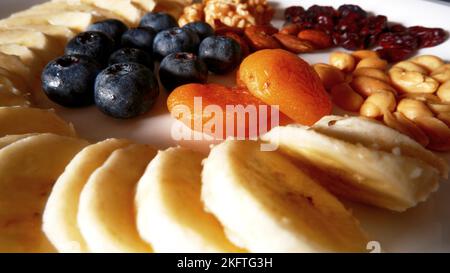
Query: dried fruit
x: 294, y: 44
x: 428, y: 37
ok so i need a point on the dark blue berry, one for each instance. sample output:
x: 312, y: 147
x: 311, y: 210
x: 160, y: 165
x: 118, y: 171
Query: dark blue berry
x: 112, y: 27
x: 93, y: 44
x: 172, y: 41
x: 141, y: 37
x: 202, y: 29
x: 69, y: 80
x: 131, y: 55
x: 182, y: 68
x: 126, y: 90
x: 158, y: 21
x: 221, y: 54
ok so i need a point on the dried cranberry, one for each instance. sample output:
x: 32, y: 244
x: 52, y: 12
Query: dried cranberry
x: 352, y: 41
x: 317, y: 10
x: 398, y: 40
x: 428, y: 37
x: 346, y: 10
x: 374, y: 25
x: 397, y: 28
x: 345, y: 26
x: 394, y: 55
x: 294, y: 14
x: 305, y: 25
x: 325, y: 23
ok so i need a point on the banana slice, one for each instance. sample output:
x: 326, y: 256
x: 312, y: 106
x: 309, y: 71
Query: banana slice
x: 23, y: 120
x: 267, y: 204
x: 374, y: 134
x: 27, y: 56
x: 60, y: 214
x: 59, y: 34
x: 106, y: 215
x: 362, y: 174
x: 170, y: 214
x: 13, y: 82
x: 8, y: 98
x: 28, y: 169
x: 14, y: 65
x: 10, y: 139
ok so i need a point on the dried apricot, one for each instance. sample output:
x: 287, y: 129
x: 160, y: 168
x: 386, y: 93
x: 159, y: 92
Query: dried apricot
x: 260, y: 37
x: 294, y: 44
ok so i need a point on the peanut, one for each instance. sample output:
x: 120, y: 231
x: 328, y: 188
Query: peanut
x: 425, y: 97
x: 411, y: 67
x: 412, y: 82
x: 368, y: 85
x: 444, y: 91
x: 430, y: 62
x: 377, y: 104
x: 373, y: 63
x: 399, y: 122
x: 329, y: 75
x: 413, y: 109
x: 439, y: 108
x: 346, y: 98
x: 371, y: 72
x: 437, y: 131
x: 444, y: 117
x: 364, y: 54
x: 442, y: 74
x: 343, y: 61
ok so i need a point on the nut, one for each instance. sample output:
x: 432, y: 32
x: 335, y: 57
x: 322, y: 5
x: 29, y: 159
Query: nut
x: 371, y: 72
x: 343, y: 61
x: 373, y: 63
x: 430, y: 62
x: 444, y: 117
x: 411, y: 67
x: 318, y: 38
x: 260, y: 37
x: 413, y: 109
x: 442, y: 74
x: 364, y: 54
x: 294, y: 44
x: 367, y: 86
x: 346, y: 98
x: 437, y: 131
x: 329, y: 75
x: 412, y: 82
x: 425, y: 97
x: 192, y: 13
x: 290, y: 29
x: 399, y: 122
x: 439, y: 108
x: 244, y: 46
x: 444, y: 91
x: 377, y: 104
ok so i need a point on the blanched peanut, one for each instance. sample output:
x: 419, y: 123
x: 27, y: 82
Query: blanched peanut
x: 437, y: 131
x: 430, y: 62
x: 371, y: 72
x: 343, y: 61
x: 442, y: 74
x: 413, y: 109
x: 411, y: 67
x: 346, y: 98
x: 425, y: 97
x: 412, y: 82
x: 439, y: 108
x: 377, y: 104
x: 444, y: 91
x: 364, y: 54
x: 444, y: 117
x: 373, y: 63
x: 368, y: 85
x: 329, y: 75
x: 405, y: 126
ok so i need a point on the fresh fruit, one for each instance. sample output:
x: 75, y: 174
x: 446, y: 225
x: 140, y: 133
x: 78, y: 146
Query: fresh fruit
x: 131, y: 55
x: 26, y: 55
x: 28, y: 169
x: 278, y: 77
x: 159, y: 21
x: 174, y: 40
x: 125, y: 90
x: 10, y: 139
x: 25, y: 120
x: 112, y: 27
x: 60, y: 215
x: 256, y: 194
x: 140, y: 37
x: 202, y: 29
x: 221, y: 54
x: 106, y: 214
x: 14, y: 65
x: 181, y: 68
x: 93, y: 44
x: 241, y: 119
x: 69, y: 80
x: 169, y: 206
x: 123, y: 8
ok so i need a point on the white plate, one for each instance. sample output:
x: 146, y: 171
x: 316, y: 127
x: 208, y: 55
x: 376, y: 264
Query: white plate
x: 425, y: 228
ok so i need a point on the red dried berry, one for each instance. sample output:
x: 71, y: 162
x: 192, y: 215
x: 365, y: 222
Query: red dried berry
x: 352, y: 41
x: 394, y: 55
x: 428, y: 37
x: 294, y: 14
x: 346, y: 10
x: 402, y: 40
x: 397, y: 28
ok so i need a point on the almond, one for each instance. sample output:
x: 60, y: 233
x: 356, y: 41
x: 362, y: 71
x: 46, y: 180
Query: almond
x: 260, y: 37
x: 294, y: 44
x: 318, y: 38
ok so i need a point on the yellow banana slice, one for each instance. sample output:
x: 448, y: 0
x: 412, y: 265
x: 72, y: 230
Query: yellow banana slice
x: 10, y: 139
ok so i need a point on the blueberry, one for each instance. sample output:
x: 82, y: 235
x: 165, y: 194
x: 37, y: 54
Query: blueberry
x: 126, y: 90
x: 69, y: 80
x: 182, y: 68
x: 141, y: 37
x: 202, y: 29
x: 131, y: 55
x: 158, y: 21
x: 112, y: 27
x: 221, y: 54
x: 94, y: 44
x: 173, y: 40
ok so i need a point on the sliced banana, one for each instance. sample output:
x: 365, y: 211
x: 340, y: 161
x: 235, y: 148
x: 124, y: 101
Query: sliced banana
x: 267, y: 204
x: 14, y: 83
x: 60, y: 214
x: 10, y: 139
x: 27, y: 56
x: 379, y: 178
x: 14, y: 65
x: 59, y: 34
x: 28, y: 169
x: 106, y: 214
x: 373, y: 134
x: 8, y: 98
x: 23, y: 120
x: 170, y: 213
